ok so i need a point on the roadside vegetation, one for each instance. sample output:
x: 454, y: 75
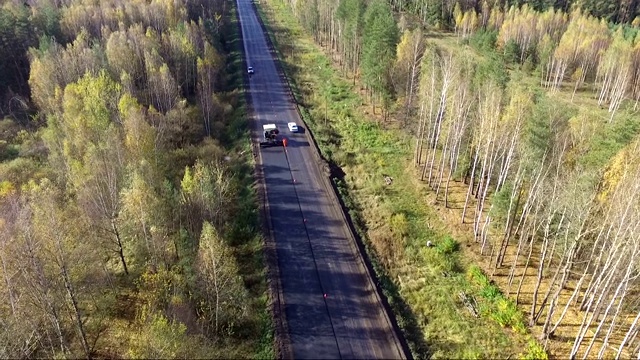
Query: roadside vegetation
x: 509, y: 148
x: 128, y: 219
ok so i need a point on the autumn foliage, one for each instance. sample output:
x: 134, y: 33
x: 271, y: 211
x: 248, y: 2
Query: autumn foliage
x: 115, y: 198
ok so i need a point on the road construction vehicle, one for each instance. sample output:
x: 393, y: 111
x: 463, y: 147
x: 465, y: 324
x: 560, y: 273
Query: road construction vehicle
x: 271, y: 136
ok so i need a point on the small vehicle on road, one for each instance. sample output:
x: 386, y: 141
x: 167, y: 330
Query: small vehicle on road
x: 250, y: 70
x: 271, y: 137
x: 293, y: 127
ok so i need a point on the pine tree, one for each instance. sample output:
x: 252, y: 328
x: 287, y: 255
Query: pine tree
x: 380, y: 39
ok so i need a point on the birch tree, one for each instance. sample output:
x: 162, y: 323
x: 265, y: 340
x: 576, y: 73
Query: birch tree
x: 209, y: 67
x: 92, y: 149
x: 162, y: 86
x: 207, y: 190
x: 406, y: 72
x: 614, y: 73
x: 59, y: 241
x: 223, y: 294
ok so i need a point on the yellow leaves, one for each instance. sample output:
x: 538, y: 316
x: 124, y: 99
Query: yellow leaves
x: 457, y: 16
x: 527, y: 27
x: 151, y: 34
x: 187, y: 184
x: 90, y: 107
x: 91, y: 100
x: 496, y: 18
x: 577, y: 75
x: 127, y: 105
x: 219, y: 282
x: 158, y: 337
x: 520, y: 106
x: 44, y: 80
x: 534, y: 351
x: 399, y: 225
x: 403, y: 45
x: 582, y: 128
x: 6, y: 189
x: 584, y: 37
x: 617, y: 56
x: 469, y: 23
x: 139, y: 135
x: 622, y: 166
x: 139, y: 200
x: 120, y: 53
x: 208, y: 187
x: 408, y: 52
x: 613, y: 175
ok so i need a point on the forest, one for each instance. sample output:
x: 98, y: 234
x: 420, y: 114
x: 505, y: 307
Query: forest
x: 128, y: 221
x: 520, y: 122
x: 128, y: 224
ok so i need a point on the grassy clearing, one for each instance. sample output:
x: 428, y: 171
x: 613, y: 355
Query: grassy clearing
x: 423, y: 284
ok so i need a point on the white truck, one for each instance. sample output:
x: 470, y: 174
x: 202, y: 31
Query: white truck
x: 271, y: 137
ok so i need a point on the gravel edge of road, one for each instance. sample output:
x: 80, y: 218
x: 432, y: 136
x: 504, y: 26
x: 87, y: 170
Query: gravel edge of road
x: 281, y: 340
x: 332, y: 190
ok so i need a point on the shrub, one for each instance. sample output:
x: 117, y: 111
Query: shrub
x: 477, y: 276
x: 6, y: 188
x: 534, y: 351
x: 503, y: 310
x: 399, y: 225
x: 506, y: 313
x: 491, y: 292
x: 447, y: 246
x: 159, y: 337
x: 512, y: 52
x: 445, y: 264
x: 484, y: 40
x: 8, y: 151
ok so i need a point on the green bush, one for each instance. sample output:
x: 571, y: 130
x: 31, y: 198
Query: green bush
x: 506, y: 313
x: 8, y: 151
x: 447, y: 246
x: 446, y: 264
x: 534, y: 351
x: 477, y: 276
x: 399, y: 225
x: 491, y: 292
x: 503, y: 310
x: 512, y: 52
x: 483, y: 40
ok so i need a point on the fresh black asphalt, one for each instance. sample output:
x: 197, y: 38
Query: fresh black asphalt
x: 316, y: 252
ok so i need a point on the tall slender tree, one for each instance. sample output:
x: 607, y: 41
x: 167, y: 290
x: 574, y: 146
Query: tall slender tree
x: 379, y: 43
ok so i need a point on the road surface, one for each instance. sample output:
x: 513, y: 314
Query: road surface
x: 316, y: 252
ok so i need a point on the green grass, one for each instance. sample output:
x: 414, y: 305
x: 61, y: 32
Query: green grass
x: 534, y: 351
x: 494, y: 304
x: 422, y: 284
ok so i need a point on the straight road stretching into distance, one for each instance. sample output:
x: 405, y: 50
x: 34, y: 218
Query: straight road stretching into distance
x: 316, y: 251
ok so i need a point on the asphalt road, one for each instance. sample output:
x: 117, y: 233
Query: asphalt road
x: 316, y: 252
